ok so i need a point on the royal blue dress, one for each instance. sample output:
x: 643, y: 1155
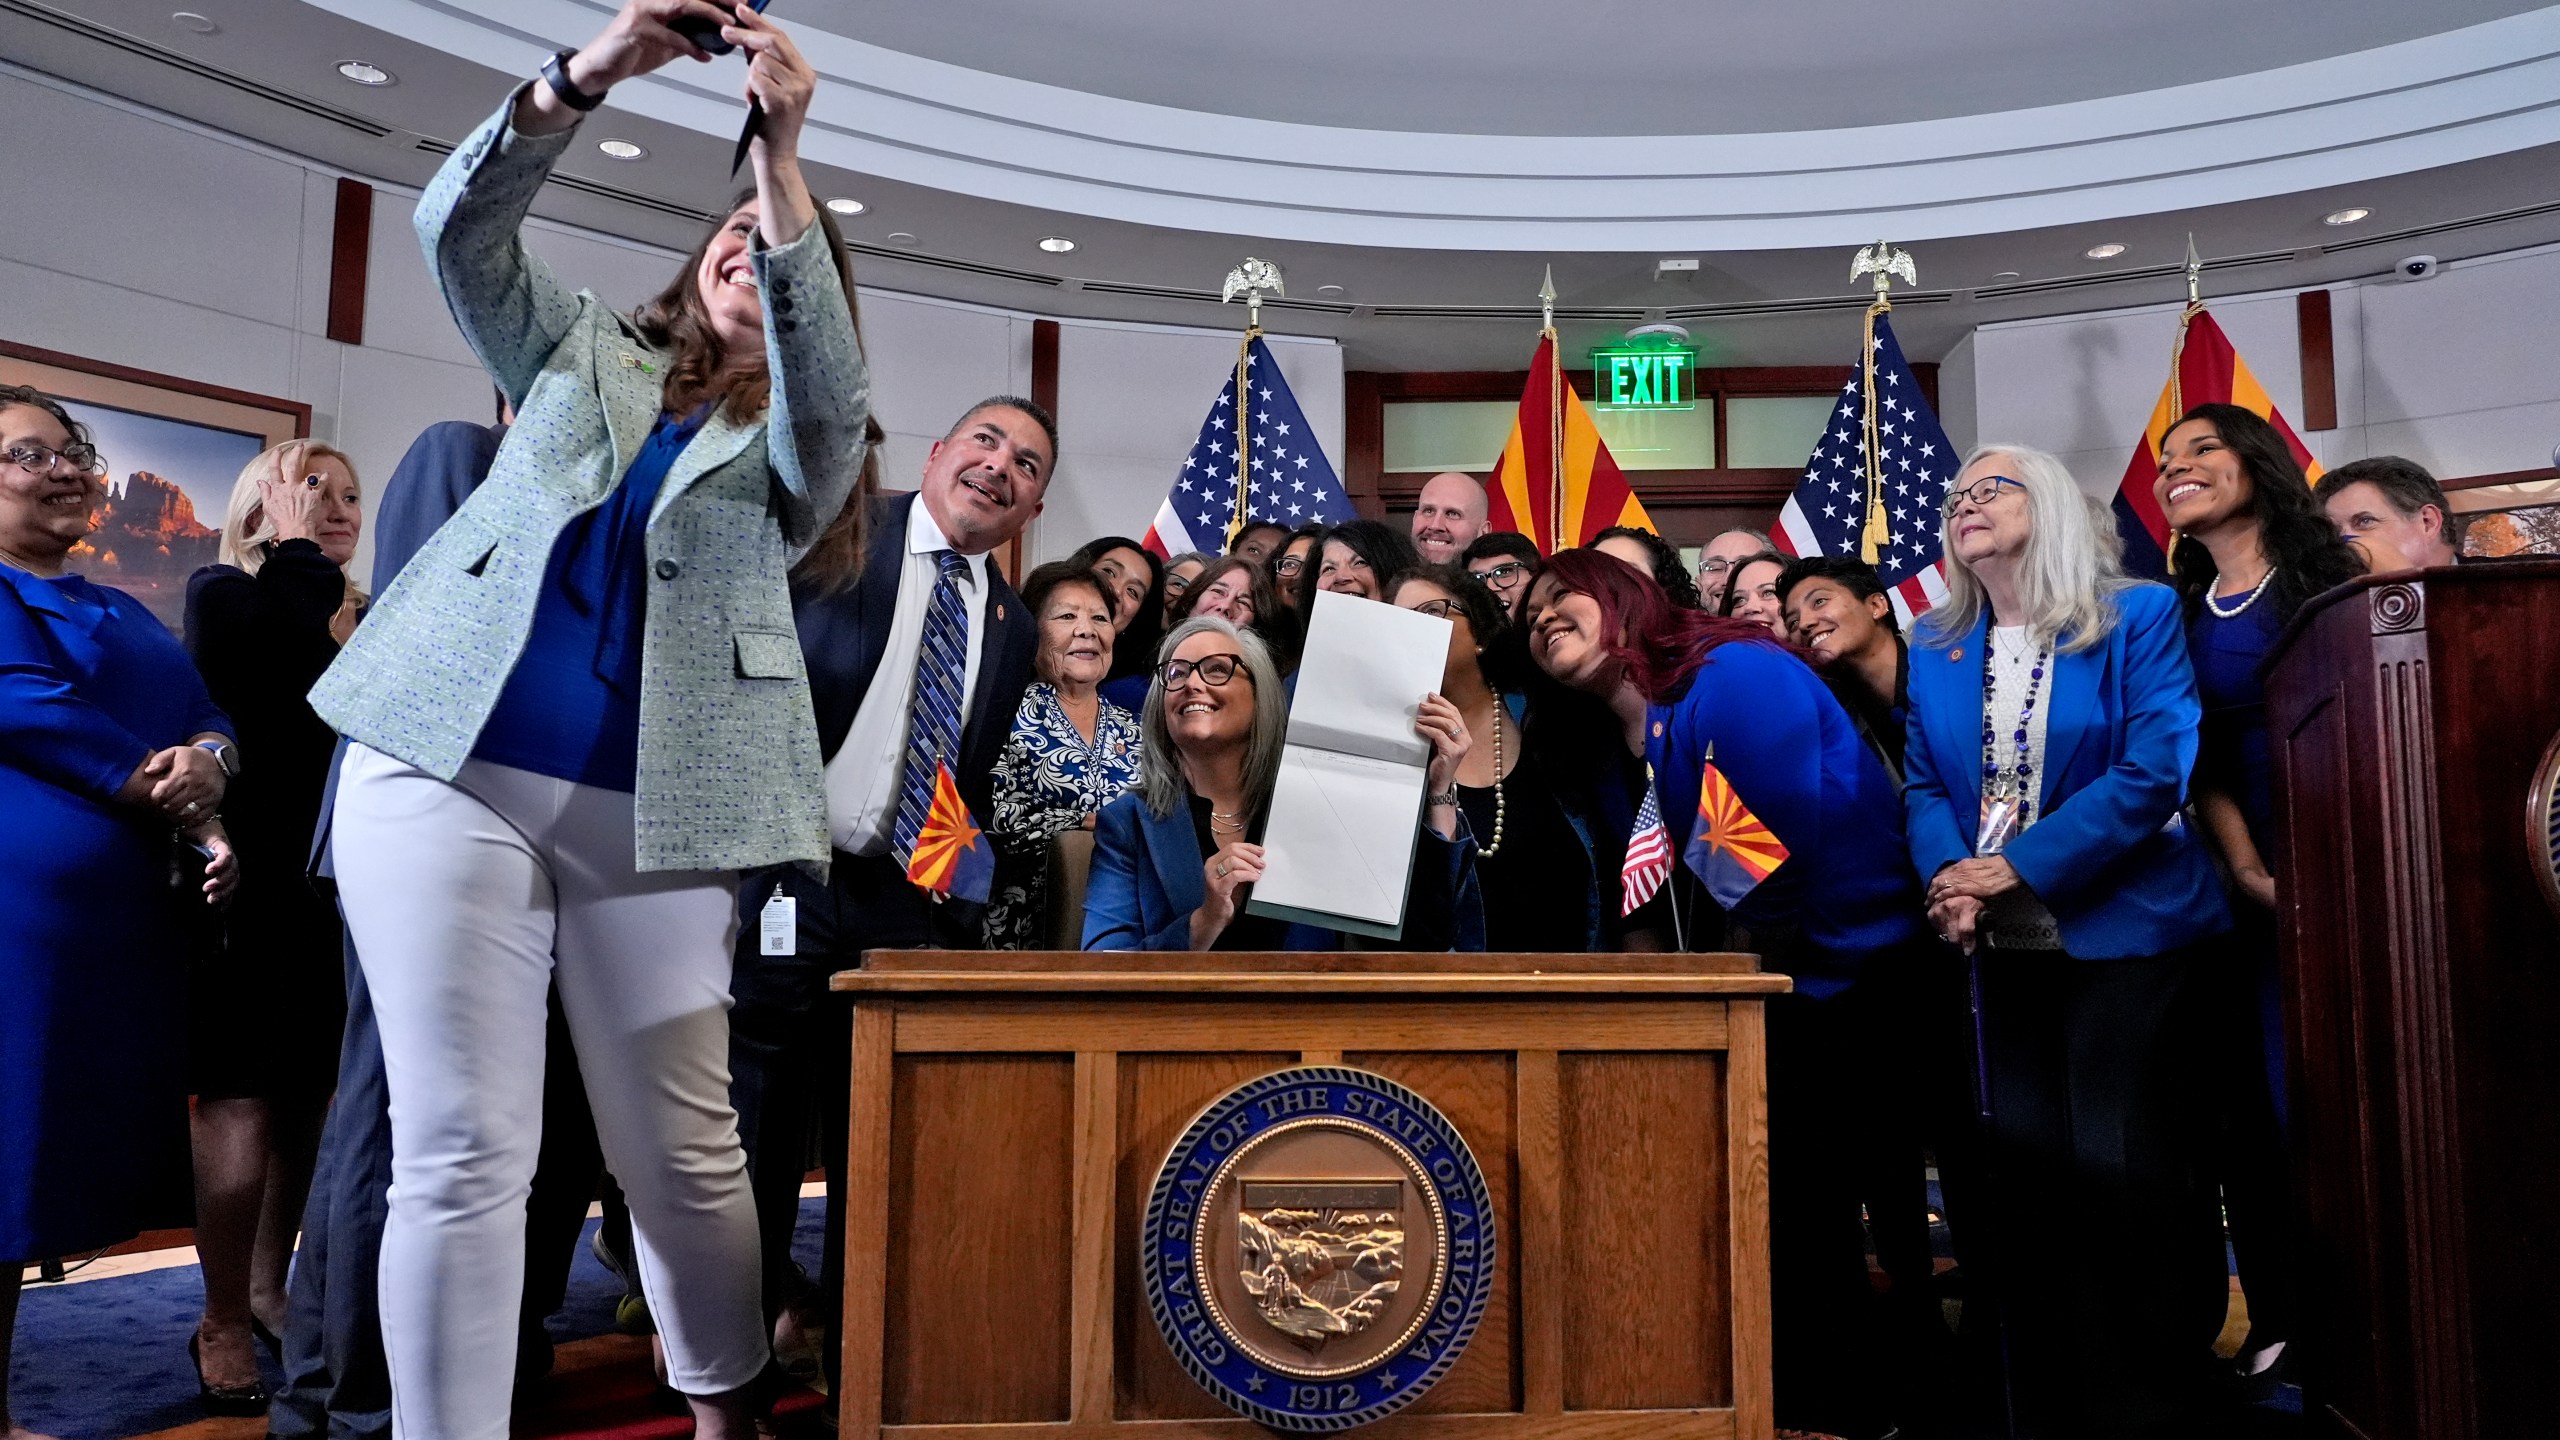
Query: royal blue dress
x: 93, y: 1033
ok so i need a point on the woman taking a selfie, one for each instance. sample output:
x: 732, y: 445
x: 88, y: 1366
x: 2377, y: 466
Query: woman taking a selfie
x: 577, y: 713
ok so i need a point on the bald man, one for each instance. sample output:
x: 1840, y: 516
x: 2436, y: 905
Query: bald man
x: 1449, y: 515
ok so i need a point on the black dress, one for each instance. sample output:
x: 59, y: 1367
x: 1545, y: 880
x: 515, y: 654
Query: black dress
x: 268, y: 996
x: 1537, y: 884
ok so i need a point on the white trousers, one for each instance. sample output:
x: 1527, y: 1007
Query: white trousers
x: 467, y: 900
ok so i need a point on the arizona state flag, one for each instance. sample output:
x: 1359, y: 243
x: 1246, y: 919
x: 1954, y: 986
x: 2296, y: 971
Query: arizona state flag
x: 1556, y: 482
x: 2203, y: 369
x: 951, y: 856
x: 1730, y: 850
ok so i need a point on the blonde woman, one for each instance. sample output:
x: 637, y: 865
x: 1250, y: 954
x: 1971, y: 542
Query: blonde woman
x: 268, y: 991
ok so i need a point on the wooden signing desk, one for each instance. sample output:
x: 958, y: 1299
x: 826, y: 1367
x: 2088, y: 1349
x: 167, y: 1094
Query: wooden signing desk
x: 1010, y: 1111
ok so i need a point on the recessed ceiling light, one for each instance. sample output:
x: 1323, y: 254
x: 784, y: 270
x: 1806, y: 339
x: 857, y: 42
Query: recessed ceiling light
x: 2348, y: 216
x: 1057, y: 244
x: 363, y: 73
x: 2005, y: 277
x: 901, y: 237
x: 622, y: 150
x: 190, y: 20
x: 843, y: 205
x: 2108, y: 251
x: 1331, y: 292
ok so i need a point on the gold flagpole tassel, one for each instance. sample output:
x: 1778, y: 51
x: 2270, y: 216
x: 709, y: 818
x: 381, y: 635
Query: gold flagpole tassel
x: 1252, y: 280
x: 1555, y: 412
x: 1886, y: 264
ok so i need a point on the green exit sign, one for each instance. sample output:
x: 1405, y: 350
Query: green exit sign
x: 1645, y: 379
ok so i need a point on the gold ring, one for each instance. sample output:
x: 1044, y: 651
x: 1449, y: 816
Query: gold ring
x: 1223, y: 868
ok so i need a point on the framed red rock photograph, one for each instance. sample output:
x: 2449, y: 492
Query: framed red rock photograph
x: 173, y: 449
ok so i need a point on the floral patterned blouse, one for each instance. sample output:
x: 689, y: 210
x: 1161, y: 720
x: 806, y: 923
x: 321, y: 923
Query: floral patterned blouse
x: 1047, y: 780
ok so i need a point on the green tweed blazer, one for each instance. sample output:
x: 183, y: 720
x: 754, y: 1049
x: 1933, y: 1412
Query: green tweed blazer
x: 729, y: 774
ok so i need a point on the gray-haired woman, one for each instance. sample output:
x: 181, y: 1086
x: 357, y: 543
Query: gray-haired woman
x: 2053, y: 728
x: 1174, y: 860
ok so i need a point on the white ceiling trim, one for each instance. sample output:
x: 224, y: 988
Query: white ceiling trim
x: 2443, y: 99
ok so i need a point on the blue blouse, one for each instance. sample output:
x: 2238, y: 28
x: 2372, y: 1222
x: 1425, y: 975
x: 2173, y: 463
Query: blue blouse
x: 1046, y: 781
x: 571, y: 706
x: 2234, y: 757
x: 1794, y: 757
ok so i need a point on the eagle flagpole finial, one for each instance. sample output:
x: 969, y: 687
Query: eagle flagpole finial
x: 1251, y: 280
x: 1886, y: 264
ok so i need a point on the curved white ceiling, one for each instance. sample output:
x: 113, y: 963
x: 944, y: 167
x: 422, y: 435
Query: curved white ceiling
x: 2437, y: 99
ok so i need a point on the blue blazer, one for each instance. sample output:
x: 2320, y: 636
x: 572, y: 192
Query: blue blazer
x: 1796, y: 759
x: 1146, y: 881
x: 2108, y: 851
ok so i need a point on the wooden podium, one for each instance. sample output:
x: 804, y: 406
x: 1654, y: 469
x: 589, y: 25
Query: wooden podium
x: 2415, y: 720
x: 1010, y: 1111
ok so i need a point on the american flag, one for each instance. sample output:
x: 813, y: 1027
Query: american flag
x: 1648, y: 853
x: 1291, y: 482
x: 1827, y: 513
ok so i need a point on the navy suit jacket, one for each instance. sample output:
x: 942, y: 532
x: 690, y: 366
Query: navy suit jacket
x: 843, y: 635
x: 2109, y: 850
x: 1146, y: 881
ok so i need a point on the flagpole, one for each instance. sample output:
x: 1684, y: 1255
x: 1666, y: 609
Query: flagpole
x: 2178, y: 360
x: 1250, y: 280
x: 1884, y: 263
x: 1555, y: 411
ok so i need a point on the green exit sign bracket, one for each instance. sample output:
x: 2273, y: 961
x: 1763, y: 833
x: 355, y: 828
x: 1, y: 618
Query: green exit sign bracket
x: 1648, y: 377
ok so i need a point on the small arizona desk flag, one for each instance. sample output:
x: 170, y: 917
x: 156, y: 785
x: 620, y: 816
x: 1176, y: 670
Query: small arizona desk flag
x: 951, y: 855
x: 1730, y: 850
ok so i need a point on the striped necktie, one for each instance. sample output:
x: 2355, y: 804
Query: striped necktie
x: 933, y: 718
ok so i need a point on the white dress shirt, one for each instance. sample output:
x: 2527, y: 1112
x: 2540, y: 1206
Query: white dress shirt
x: 863, y: 779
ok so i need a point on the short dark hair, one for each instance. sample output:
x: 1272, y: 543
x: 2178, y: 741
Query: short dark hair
x: 1506, y: 543
x: 1850, y: 573
x: 1032, y: 408
x: 1386, y: 550
x: 31, y: 396
x: 1668, y: 571
x: 1251, y: 526
x: 1045, y: 579
x: 2403, y: 482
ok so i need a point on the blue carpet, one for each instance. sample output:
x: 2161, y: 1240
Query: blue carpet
x: 108, y: 1359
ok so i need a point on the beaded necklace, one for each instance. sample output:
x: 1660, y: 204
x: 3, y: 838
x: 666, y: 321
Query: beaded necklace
x: 1501, y: 802
x: 2012, y: 784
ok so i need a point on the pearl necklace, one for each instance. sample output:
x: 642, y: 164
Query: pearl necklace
x: 2234, y: 613
x: 1501, y: 802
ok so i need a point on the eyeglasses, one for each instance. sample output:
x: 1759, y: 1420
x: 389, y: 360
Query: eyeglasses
x: 39, y: 459
x: 1213, y: 670
x: 1288, y: 565
x: 1716, y: 565
x: 1176, y: 584
x: 1438, y: 608
x: 1502, y: 576
x: 1981, y: 492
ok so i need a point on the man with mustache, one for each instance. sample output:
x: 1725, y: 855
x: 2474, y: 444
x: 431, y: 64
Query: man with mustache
x: 1448, y: 515
x: 867, y: 605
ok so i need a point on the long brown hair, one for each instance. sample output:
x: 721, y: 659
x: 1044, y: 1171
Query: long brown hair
x: 674, y: 319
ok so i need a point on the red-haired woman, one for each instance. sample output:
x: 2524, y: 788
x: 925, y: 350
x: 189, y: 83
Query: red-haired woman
x: 1820, y: 886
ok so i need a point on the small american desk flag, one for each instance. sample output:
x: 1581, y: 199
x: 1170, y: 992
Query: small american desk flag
x: 1827, y: 514
x: 1648, y: 861
x: 1291, y: 483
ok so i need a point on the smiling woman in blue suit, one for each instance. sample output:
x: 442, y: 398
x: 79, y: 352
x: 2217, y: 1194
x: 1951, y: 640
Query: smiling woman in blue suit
x: 577, y: 712
x: 2052, y: 732
x: 1174, y: 860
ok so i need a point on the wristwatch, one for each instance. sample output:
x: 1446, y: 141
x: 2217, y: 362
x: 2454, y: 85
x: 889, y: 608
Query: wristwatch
x: 224, y: 752
x: 1449, y: 799
x: 555, y: 73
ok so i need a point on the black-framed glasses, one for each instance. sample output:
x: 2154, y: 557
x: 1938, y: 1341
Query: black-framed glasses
x: 1502, y: 576
x: 1442, y: 609
x: 1175, y: 585
x: 39, y: 459
x: 1213, y: 670
x: 1981, y: 492
x: 1288, y: 566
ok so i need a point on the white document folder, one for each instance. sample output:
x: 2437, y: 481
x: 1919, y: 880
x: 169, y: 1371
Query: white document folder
x: 1345, y: 813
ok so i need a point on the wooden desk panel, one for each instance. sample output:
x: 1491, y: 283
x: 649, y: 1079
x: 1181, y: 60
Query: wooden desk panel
x: 1008, y: 1123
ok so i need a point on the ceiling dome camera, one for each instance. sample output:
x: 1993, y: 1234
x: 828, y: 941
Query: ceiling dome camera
x: 2419, y: 267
